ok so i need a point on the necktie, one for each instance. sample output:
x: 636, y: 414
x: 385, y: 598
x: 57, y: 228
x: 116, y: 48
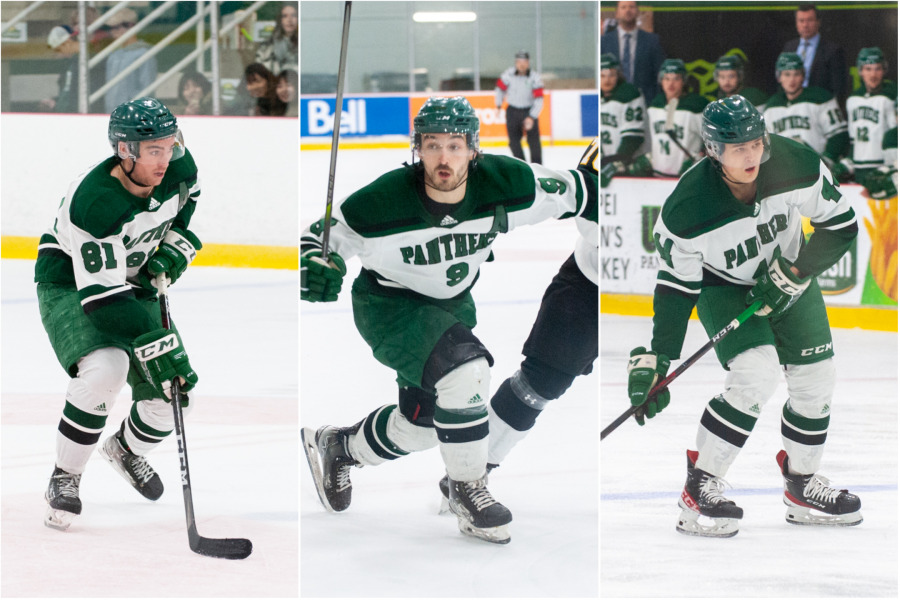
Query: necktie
x: 803, y: 48
x: 626, y: 58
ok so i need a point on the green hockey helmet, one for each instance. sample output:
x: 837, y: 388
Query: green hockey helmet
x: 788, y: 61
x: 142, y: 120
x: 672, y: 65
x: 446, y: 115
x: 730, y: 62
x: 608, y: 60
x: 732, y: 120
x: 870, y: 56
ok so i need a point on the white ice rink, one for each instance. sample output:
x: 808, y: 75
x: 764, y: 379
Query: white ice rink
x: 240, y: 329
x: 392, y: 542
x: 643, y: 472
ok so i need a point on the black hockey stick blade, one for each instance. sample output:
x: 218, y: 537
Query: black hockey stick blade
x: 229, y: 548
x: 734, y: 324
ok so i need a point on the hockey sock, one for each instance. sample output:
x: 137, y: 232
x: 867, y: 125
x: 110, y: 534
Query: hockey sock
x: 148, y: 424
x: 722, y: 433
x: 89, y: 398
x: 804, y: 439
x: 461, y: 419
x: 387, y: 435
x: 805, y: 416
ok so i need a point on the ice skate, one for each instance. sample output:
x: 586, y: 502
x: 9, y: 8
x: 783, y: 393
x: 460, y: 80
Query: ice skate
x: 812, y: 501
x: 702, y: 498
x: 330, y: 463
x: 135, y: 469
x: 444, y: 485
x: 477, y: 513
x: 63, y: 503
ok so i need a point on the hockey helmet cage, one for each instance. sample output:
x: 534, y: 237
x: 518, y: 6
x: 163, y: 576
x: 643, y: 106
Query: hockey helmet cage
x: 446, y: 115
x: 871, y: 56
x: 788, y: 61
x: 672, y: 65
x: 732, y: 120
x: 142, y: 120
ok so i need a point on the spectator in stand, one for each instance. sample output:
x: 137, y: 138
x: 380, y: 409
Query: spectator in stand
x: 286, y: 89
x: 194, y: 94
x: 256, y: 95
x: 101, y: 37
x: 123, y: 57
x: 824, y: 62
x: 279, y: 52
x: 524, y: 93
x: 63, y: 41
x: 639, y: 52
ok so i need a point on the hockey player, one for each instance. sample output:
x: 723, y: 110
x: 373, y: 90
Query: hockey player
x: 422, y: 233
x: 871, y: 112
x: 729, y: 235
x: 674, y: 118
x: 561, y: 346
x: 621, y: 120
x: 809, y: 115
x: 120, y: 225
x: 729, y: 75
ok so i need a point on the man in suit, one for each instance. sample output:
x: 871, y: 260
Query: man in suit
x: 639, y: 52
x: 825, y: 62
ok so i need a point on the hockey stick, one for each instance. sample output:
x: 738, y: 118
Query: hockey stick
x: 713, y: 341
x: 336, y: 133
x: 231, y: 548
x: 669, y: 127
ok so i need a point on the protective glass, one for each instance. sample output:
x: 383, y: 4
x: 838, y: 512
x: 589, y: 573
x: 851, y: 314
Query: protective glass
x: 155, y: 151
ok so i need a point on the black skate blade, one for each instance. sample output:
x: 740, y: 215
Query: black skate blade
x: 228, y: 548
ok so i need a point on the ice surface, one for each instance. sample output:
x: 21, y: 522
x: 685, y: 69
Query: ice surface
x: 643, y: 472
x: 240, y: 329
x: 392, y: 542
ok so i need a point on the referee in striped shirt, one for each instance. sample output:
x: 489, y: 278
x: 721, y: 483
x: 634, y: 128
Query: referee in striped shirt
x: 524, y: 91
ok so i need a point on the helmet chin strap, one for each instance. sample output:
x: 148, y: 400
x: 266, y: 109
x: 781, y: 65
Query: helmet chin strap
x: 128, y: 173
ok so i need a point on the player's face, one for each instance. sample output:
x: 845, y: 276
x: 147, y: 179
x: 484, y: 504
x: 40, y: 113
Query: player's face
x: 872, y: 75
x: 728, y: 81
x: 807, y: 24
x: 741, y: 161
x: 446, y: 159
x: 791, y: 81
x: 522, y: 64
x: 672, y: 85
x: 150, y: 167
x: 608, y: 80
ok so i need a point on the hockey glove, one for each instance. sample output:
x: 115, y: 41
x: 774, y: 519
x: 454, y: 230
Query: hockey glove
x: 321, y: 281
x: 645, y: 369
x: 880, y: 183
x: 640, y: 167
x: 175, y: 253
x: 609, y: 170
x: 778, y: 288
x: 161, y: 357
x: 842, y: 170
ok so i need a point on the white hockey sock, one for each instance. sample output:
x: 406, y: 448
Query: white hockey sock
x: 149, y: 423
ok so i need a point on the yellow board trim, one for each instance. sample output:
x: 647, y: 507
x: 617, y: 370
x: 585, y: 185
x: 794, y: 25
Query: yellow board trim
x: 212, y: 255
x: 842, y: 317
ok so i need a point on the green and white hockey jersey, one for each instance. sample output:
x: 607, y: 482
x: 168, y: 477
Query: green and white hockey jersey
x: 622, y: 122
x: 407, y: 248
x: 103, y: 235
x: 705, y: 236
x: 870, y: 116
x: 813, y: 118
x: 665, y: 155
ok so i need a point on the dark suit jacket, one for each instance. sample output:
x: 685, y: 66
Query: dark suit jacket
x: 829, y: 68
x: 648, y: 58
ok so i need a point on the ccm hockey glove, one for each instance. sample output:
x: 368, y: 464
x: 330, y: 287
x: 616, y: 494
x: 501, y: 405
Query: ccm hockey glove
x: 161, y: 357
x: 175, y: 253
x: 881, y: 184
x: 645, y: 369
x: 321, y: 281
x: 778, y: 288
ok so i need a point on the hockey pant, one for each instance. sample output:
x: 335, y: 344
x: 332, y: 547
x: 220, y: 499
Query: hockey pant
x: 751, y: 381
x: 89, y: 399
